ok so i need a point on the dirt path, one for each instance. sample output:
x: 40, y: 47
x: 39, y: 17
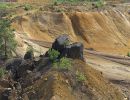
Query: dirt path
x: 117, y: 73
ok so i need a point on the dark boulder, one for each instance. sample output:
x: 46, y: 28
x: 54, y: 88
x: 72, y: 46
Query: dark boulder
x: 29, y: 55
x: 18, y: 67
x: 10, y: 94
x: 74, y: 51
x: 24, y: 67
x: 6, y: 94
x: 62, y: 45
x: 13, y: 63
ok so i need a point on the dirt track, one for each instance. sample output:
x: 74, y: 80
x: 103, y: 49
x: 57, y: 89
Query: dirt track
x: 114, y: 68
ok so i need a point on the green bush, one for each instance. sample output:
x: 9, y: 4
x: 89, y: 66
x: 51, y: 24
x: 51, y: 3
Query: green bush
x: 80, y: 76
x: 27, y: 7
x: 64, y: 63
x: 5, y: 5
x: 53, y: 54
x: 128, y: 54
x: 99, y: 3
x: 2, y: 72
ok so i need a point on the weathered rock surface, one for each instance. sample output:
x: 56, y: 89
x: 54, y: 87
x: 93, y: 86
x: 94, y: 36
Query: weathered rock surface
x: 29, y: 55
x: 62, y: 45
x: 74, y: 51
x: 19, y: 67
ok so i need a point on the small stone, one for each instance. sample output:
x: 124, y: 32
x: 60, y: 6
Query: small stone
x: 67, y: 81
x: 83, y: 89
x: 125, y: 98
x: 45, y: 79
x: 56, y: 97
x: 25, y: 97
x: 28, y: 71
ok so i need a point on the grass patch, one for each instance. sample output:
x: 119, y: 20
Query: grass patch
x: 99, y: 3
x: 5, y: 5
x: 64, y: 64
x: 2, y: 72
x: 80, y: 76
x: 53, y: 54
x: 128, y: 54
x: 27, y: 7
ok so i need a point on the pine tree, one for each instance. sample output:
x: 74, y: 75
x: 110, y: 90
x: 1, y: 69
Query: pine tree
x: 7, y: 42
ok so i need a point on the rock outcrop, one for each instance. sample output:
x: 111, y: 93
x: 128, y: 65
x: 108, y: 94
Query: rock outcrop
x: 19, y: 67
x: 29, y: 55
x: 74, y: 50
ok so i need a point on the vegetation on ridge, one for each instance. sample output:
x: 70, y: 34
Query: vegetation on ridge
x: 63, y: 64
x: 53, y: 54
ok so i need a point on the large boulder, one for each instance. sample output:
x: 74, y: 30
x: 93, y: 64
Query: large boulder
x: 74, y: 51
x: 29, y: 55
x: 62, y: 45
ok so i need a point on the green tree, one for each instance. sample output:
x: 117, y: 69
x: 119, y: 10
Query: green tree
x: 7, y: 42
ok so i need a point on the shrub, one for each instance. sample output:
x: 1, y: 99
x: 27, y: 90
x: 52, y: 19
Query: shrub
x: 27, y: 7
x: 3, y: 6
x: 80, y: 76
x: 53, y: 54
x: 2, y: 72
x: 66, y: 42
x: 55, y: 64
x: 99, y: 3
x: 65, y: 63
x: 6, y: 5
x: 128, y: 54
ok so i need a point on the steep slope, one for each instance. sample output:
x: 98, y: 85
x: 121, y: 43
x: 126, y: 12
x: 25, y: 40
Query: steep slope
x: 106, y: 30
x: 61, y: 85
